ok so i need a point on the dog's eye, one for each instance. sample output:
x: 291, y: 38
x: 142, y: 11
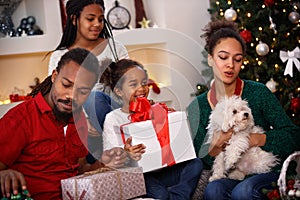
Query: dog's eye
x: 234, y: 111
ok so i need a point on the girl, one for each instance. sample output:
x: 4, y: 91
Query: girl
x: 86, y: 27
x: 129, y: 79
x: 226, y: 49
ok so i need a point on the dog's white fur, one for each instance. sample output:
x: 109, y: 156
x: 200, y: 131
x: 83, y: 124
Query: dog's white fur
x: 238, y: 159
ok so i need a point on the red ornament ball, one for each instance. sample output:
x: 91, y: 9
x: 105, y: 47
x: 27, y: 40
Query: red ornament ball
x: 269, y: 2
x: 295, y: 104
x: 246, y: 35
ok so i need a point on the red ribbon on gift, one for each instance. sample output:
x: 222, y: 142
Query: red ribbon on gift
x: 158, y: 113
x: 140, y: 110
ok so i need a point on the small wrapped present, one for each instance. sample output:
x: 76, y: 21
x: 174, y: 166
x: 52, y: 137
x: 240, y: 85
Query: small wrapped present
x: 166, y: 136
x: 124, y: 183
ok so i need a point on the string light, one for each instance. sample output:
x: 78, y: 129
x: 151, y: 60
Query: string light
x: 263, y: 6
x: 249, y: 15
x: 260, y: 28
x: 229, y: 2
x: 259, y: 63
x: 217, y: 2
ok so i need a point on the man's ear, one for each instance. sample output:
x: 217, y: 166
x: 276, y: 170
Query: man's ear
x: 54, y: 75
x: 210, y: 60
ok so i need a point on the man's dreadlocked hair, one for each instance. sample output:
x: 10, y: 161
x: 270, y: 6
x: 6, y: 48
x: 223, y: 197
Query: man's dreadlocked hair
x: 74, y: 9
x: 81, y: 56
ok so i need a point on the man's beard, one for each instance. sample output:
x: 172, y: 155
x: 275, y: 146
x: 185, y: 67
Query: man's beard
x: 61, y: 116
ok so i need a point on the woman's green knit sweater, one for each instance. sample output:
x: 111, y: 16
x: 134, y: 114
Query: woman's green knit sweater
x: 283, y: 137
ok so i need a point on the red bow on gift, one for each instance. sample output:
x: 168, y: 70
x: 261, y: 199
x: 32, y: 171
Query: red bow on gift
x: 158, y: 113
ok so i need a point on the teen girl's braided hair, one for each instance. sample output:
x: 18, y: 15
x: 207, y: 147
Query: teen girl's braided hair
x: 113, y: 76
x: 81, y: 56
x: 73, y: 10
x: 221, y: 29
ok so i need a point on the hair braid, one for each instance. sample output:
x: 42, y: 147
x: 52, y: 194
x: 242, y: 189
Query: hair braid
x: 44, y: 87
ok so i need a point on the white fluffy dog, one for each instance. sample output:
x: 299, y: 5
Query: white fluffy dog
x: 238, y: 159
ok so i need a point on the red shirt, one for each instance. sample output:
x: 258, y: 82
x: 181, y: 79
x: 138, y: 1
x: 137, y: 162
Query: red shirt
x: 34, y: 143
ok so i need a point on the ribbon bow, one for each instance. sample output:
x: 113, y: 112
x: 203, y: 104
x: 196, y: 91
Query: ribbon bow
x: 291, y: 57
x: 140, y: 109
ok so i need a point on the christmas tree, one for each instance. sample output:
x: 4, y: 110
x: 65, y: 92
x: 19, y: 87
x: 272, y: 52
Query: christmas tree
x: 271, y: 30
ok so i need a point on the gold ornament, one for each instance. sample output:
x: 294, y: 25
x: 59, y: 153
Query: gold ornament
x: 144, y: 23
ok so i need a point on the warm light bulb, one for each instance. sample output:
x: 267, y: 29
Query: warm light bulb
x: 229, y: 2
x: 252, y: 44
x: 260, y: 28
x: 248, y: 14
x: 263, y: 6
x: 284, y: 10
x: 217, y: 2
x: 257, y: 79
x: 259, y: 63
x: 276, y: 66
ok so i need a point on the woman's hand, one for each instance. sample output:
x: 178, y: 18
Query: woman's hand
x: 257, y: 139
x: 135, y: 152
x: 219, y: 142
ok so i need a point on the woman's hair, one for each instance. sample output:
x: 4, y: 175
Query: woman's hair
x: 74, y: 9
x: 82, y: 57
x: 113, y: 76
x: 218, y: 30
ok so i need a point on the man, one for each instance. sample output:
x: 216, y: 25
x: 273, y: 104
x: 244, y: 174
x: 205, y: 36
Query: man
x: 43, y: 140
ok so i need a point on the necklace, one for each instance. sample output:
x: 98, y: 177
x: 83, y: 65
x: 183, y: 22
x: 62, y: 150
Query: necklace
x: 212, y: 95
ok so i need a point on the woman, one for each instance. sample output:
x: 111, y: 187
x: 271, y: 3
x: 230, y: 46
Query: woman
x: 226, y: 49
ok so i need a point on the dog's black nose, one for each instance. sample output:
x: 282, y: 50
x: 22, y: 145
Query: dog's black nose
x: 246, y: 114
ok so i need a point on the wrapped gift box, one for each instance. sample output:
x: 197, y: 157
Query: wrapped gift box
x: 118, y: 184
x: 180, y: 140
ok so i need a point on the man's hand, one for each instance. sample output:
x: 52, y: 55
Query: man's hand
x: 11, y: 181
x: 115, y: 157
x: 136, y: 151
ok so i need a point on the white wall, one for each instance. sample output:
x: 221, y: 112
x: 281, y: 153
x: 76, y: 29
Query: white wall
x: 188, y: 17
